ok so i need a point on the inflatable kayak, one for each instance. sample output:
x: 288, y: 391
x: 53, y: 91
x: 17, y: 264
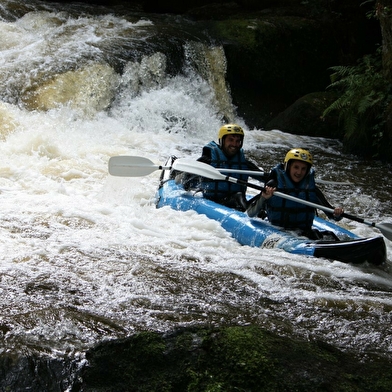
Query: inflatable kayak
x: 338, y: 244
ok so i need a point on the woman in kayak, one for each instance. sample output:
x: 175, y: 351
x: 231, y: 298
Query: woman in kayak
x: 295, y: 176
x: 226, y: 154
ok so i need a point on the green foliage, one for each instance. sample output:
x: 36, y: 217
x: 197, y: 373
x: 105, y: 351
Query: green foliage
x: 365, y: 96
x: 377, y: 10
x: 372, y: 13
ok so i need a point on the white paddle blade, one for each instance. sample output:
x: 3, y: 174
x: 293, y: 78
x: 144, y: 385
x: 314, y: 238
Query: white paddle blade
x: 386, y: 229
x: 198, y: 168
x: 131, y: 166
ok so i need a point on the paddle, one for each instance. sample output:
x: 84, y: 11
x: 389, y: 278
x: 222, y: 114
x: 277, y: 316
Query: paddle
x: 128, y: 166
x: 208, y: 171
x: 135, y: 166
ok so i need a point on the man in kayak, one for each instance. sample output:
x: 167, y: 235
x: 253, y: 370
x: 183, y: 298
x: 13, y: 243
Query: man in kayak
x: 295, y: 176
x: 228, y: 154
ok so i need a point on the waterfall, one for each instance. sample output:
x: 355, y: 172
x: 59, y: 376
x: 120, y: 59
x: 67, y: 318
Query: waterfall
x: 51, y: 59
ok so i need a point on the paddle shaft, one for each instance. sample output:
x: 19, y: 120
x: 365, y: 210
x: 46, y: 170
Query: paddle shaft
x: 260, y: 173
x: 301, y: 201
x: 208, y: 171
x: 385, y: 228
x: 280, y: 194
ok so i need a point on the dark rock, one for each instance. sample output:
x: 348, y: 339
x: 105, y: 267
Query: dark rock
x: 305, y: 117
x: 35, y: 372
x: 229, y: 359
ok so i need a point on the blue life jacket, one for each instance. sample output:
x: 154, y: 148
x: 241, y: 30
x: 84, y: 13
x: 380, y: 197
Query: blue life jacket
x: 216, y: 190
x: 290, y: 214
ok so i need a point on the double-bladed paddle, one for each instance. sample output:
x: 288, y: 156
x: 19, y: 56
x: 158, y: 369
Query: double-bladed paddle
x: 208, y: 171
x: 135, y: 166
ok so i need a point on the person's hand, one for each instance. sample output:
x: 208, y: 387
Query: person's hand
x: 338, y: 211
x: 268, y: 192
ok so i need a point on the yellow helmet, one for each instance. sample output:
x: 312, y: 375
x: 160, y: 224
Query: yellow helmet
x: 230, y: 129
x: 299, y: 154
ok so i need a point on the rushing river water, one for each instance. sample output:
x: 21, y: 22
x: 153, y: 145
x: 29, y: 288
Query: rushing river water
x: 86, y: 256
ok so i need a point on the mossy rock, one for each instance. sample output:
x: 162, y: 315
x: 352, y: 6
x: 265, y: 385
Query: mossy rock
x: 229, y: 359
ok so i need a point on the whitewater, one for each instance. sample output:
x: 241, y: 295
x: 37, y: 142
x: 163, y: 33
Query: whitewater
x: 86, y: 256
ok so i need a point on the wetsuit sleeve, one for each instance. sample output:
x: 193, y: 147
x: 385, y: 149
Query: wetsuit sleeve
x: 206, y: 155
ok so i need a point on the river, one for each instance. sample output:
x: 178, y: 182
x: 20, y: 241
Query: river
x: 87, y: 257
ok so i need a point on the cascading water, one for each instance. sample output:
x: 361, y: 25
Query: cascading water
x: 87, y: 257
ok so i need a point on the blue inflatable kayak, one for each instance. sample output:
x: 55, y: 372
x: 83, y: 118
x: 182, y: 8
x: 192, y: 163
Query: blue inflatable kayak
x: 347, y: 248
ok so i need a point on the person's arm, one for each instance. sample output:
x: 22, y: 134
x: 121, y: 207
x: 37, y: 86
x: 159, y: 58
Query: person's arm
x: 338, y: 211
x: 258, y: 202
x: 205, y: 156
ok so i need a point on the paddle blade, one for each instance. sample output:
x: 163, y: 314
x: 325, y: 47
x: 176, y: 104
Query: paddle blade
x: 386, y: 229
x: 198, y: 168
x: 131, y: 166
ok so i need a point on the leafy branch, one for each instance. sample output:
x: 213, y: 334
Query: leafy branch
x: 364, y: 98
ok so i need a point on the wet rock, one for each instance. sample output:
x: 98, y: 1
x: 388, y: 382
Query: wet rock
x: 33, y: 372
x: 89, y: 90
x: 228, y: 359
x: 305, y: 117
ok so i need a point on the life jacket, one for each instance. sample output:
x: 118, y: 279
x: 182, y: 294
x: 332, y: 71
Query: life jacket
x: 217, y: 190
x: 290, y: 214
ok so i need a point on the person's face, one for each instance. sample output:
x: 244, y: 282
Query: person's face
x: 231, y: 145
x: 297, y: 170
